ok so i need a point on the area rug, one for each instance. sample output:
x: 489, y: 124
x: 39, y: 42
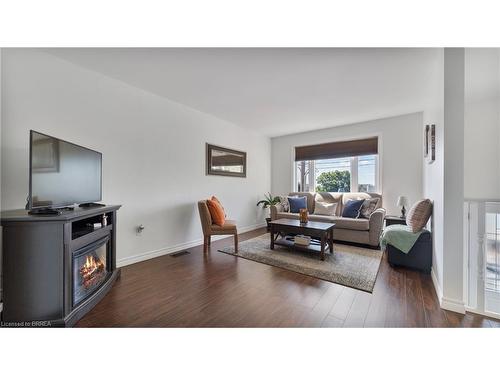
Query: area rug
x: 352, y: 266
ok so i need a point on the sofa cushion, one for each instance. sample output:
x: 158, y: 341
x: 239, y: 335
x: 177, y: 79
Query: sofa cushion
x: 343, y: 222
x: 419, y: 214
x: 297, y: 203
x: 353, y: 224
x: 323, y: 208
x: 355, y: 236
x: 352, y: 208
x: 340, y: 222
x: 287, y: 215
x: 322, y: 218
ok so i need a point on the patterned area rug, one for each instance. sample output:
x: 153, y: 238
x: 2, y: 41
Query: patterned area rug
x: 352, y: 266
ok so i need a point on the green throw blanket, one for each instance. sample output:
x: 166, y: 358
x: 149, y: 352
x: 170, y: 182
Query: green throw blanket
x: 399, y: 236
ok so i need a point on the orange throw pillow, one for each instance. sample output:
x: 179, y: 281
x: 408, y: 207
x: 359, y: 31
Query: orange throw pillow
x: 214, y: 198
x: 216, y: 211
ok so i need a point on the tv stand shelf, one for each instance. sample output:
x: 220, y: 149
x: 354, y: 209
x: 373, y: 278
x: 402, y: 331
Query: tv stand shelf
x: 84, y: 226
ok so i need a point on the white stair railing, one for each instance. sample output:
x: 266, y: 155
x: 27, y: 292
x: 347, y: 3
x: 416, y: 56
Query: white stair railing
x: 482, y: 255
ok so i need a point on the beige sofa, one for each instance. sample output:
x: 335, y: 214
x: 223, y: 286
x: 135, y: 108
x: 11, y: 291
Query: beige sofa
x: 362, y: 231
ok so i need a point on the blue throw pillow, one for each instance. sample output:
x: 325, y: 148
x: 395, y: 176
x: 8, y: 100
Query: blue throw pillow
x: 351, y: 208
x: 296, y: 203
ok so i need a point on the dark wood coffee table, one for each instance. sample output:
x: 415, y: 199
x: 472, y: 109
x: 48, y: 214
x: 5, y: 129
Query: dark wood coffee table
x: 314, y: 229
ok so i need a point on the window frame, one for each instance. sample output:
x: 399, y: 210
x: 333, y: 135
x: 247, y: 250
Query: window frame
x: 354, y: 173
x: 378, y: 162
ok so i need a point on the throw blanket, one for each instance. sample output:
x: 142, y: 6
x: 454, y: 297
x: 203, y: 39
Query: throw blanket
x: 399, y: 236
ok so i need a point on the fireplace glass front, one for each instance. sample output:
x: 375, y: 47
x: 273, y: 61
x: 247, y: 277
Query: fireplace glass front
x: 89, y: 269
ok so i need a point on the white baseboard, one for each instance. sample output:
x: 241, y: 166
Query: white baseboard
x: 484, y: 313
x: 446, y: 303
x: 453, y: 305
x: 156, y: 253
x: 173, y: 249
x: 437, y: 287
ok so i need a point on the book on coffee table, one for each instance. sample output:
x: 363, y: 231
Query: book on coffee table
x: 302, y: 240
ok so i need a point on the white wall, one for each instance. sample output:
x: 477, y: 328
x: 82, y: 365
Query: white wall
x: 454, y: 96
x: 433, y: 173
x: 482, y: 124
x: 401, y: 141
x: 465, y: 109
x: 153, y: 150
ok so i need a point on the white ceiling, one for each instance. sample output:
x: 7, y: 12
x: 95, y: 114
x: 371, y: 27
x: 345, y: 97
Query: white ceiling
x: 275, y: 91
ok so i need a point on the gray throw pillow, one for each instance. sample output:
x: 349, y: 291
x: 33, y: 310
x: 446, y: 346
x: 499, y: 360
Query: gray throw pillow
x: 284, y: 203
x: 419, y: 214
x: 368, y: 207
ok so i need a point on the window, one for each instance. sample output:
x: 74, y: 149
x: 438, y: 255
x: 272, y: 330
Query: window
x: 333, y: 174
x: 368, y: 173
x: 348, y: 166
x: 492, y: 252
x: 357, y: 173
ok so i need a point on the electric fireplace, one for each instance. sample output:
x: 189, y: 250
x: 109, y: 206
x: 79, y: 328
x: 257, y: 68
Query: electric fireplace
x: 90, y: 269
x: 57, y: 268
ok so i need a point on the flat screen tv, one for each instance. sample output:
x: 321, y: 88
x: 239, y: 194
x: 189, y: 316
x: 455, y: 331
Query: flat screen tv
x: 62, y: 173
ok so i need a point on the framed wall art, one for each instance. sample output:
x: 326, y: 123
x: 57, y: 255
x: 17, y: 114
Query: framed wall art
x: 432, y: 151
x: 427, y: 134
x: 223, y: 161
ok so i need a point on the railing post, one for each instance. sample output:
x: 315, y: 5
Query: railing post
x: 480, y: 233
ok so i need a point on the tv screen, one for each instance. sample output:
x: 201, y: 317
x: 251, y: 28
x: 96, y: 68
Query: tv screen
x: 62, y: 173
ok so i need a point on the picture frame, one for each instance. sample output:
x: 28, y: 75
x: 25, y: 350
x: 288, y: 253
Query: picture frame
x: 427, y: 140
x: 432, y: 151
x: 221, y: 161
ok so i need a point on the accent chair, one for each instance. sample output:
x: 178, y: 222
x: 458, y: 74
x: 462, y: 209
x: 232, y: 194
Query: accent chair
x: 211, y: 229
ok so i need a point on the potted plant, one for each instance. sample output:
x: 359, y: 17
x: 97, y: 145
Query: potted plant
x: 266, y: 203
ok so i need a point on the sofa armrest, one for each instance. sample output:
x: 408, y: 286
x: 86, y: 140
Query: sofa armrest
x: 278, y: 207
x: 376, y: 225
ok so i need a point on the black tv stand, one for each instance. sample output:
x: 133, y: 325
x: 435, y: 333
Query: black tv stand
x: 91, y: 205
x: 39, y: 267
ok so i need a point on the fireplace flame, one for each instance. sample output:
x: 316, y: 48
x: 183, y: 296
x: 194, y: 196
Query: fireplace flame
x: 92, y: 267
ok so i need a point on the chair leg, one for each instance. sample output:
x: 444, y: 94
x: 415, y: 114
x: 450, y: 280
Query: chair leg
x: 205, y: 243
x: 209, y: 241
x: 236, y: 243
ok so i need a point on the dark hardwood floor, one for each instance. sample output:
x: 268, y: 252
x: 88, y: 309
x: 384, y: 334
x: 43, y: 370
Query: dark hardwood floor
x: 219, y: 290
